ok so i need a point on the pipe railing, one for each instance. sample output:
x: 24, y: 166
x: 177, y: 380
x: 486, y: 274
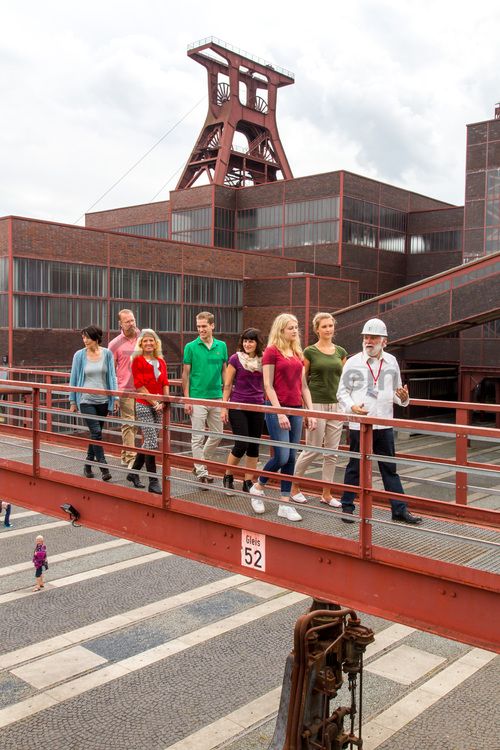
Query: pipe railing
x: 463, y: 412
x: 38, y: 417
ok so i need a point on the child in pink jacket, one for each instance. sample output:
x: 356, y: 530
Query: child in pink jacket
x: 40, y: 562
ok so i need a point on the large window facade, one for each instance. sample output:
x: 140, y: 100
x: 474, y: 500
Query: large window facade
x: 139, y: 289
x: 491, y: 330
x: 156, y: 229
x: 312, y: 222
x: 260, y: 228
x: 4, y: 286
x: 436, y: 242
x: 193, y: 225
x: 80, y: 291
x: 224, y: 227
x: 4, y: 274
x: 51, y: 294
x: 161, y: 318
x: 222, y: 297
x: 493, y: 210
x: 133, y: 284
x: 299, y: 224
x: 32, y: 311
x: 55, y: 277
x: 368, y: 224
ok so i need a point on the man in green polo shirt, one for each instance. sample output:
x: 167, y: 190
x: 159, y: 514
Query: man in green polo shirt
x: 203, y: 374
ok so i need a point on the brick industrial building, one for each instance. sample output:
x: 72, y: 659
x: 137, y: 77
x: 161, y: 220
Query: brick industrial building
x: 254, y: 241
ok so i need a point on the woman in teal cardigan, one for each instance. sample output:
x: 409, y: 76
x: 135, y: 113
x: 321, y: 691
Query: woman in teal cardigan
x: 94, y: 368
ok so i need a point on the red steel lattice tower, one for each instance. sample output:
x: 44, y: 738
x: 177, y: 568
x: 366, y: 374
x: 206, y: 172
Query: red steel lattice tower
x: 242, y: 93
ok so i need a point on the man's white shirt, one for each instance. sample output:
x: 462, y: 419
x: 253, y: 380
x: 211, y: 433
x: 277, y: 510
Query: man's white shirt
x: 372, y: 382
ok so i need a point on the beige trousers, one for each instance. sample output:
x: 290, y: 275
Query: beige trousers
x: 211, y: 417
x: 127, y: 411
x: 327, y: 434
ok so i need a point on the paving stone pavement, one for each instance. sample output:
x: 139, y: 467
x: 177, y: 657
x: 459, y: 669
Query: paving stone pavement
x: 165, y: 702
x: 90, y: 561
x: 465, y: 719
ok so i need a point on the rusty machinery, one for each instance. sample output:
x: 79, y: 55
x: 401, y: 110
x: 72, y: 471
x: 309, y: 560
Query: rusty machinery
x: 328, y: 643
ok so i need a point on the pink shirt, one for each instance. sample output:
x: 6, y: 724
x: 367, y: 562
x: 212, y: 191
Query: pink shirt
x: 287, y: 376
x: 122, y: 348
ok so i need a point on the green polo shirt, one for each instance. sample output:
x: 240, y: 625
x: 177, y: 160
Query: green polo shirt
x: 205, y: 377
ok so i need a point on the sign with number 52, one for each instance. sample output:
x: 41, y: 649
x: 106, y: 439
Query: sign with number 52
x: 253, y: 550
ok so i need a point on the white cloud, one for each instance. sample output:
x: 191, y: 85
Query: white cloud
x: 383, y: 88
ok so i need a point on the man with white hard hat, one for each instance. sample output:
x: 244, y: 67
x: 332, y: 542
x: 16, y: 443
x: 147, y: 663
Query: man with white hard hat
x: 370, y: 385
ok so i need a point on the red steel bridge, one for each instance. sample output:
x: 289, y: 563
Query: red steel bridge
x: 442, y: 576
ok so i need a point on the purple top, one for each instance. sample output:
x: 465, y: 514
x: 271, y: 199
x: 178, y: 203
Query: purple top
x: 248, y: 387
x: 39, y: 555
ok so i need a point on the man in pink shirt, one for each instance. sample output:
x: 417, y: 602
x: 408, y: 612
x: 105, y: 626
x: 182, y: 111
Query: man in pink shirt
x: 122, y: 347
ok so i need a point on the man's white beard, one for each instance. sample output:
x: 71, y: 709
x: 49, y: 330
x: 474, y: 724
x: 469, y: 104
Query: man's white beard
x: 375, y: 350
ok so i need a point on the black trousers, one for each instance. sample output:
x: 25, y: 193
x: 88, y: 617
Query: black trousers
x: 95, y: 452
x: 246, y: 424
x: 383, y: 445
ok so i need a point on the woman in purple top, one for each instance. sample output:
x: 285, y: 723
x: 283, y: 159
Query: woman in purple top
x: 244, y: 385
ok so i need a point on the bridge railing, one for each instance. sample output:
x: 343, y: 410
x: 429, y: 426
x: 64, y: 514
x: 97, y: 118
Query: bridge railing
x: 459, y: 463
x: 457, y: 543
x: 48, y: 419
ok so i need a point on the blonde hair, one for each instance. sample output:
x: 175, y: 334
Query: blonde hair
x: 38, y: 538
x: 138, y: 347
x: 319, y: 317
x: 204, y: 315
x: 277, y: 338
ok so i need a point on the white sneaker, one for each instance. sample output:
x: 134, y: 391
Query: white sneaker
x: 333, y: 503
x: 299, y: 498
x: 256, y: 490
x: 257, y: 505
x: 286, y: 511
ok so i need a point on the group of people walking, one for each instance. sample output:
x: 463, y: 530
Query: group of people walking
x: 287, y: 378
x: 133, y: 362
x: 321, y: 378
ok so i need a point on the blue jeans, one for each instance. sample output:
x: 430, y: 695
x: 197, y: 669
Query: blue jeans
x: 6, y: 520
x: 283, y: 459
x: 383, y: 445
x: 95, y: 452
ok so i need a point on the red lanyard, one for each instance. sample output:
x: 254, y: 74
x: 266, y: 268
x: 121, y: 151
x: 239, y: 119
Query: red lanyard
x: 378, y: 373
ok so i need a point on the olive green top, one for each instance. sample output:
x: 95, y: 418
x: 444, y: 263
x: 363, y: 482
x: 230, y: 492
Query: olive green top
x: 324, y: 373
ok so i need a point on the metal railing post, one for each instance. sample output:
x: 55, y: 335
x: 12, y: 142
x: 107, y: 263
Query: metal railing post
x: 461, y: 457
x: 48, y: 402
x: 165, y: 457
x: 35, y: 426
x: 365, y: 487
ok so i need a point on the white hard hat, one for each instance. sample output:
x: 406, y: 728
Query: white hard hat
x: 374, y: 327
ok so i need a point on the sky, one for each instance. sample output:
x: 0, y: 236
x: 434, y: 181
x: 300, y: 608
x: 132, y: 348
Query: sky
x: 383, y: 88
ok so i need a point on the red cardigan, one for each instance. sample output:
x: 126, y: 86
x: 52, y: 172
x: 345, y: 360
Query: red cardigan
x: 144, y: 375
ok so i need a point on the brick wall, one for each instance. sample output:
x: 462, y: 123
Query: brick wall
x: 4, y: 231
x: 146, y: 213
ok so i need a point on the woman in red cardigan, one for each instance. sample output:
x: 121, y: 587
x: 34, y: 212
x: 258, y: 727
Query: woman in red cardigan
x: 150, y: 378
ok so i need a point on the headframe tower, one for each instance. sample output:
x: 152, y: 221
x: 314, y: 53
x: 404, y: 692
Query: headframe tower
x: 242, y: 92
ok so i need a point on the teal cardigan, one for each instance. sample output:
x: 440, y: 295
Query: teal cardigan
x: 77, y: 376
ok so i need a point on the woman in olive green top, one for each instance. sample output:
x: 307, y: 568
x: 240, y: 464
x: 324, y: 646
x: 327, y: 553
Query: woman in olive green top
x: 323, y: 367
